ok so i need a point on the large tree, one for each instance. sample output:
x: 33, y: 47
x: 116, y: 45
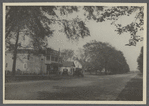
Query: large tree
x: 102, y: 55
x: 140, y: 61
x: 117, y: 63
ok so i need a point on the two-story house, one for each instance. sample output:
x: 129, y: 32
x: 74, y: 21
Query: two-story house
x: 33, y: 62
x: 52, y: 61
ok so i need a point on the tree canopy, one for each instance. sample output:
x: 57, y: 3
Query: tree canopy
x: 140, y: 61
x: 37, y: 24
x: 113, y: 13
x: 35, y: 20
x: 99, y: 55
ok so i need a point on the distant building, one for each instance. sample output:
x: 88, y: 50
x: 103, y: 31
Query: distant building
x: 70, y: 66
x: 34, y: 62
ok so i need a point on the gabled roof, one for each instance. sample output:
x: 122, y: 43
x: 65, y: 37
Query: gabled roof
x: 68, y: 64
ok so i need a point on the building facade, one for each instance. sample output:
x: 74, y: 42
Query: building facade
x: 33, y: 62
x: 70, y: 66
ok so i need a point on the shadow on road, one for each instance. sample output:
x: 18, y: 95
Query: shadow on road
x: 133, y: 91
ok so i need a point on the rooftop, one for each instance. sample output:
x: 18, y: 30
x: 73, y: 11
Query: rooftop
x: 68, y: 64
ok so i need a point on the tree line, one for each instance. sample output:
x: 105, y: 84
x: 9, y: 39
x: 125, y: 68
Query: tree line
x: 140, y: 60
x: 96, y: 56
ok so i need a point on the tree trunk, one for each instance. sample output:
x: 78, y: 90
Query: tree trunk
x: 15, y: 54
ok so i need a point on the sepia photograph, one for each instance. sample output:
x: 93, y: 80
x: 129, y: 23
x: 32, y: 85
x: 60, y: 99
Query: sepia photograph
x: 74, y: 53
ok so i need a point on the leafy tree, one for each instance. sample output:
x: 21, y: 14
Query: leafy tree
x: 98, y: 54
x: 35, y: 21
x: 113, y: 13
x: 118, y: 63
x: 140, y: 61
x: 103, y: 55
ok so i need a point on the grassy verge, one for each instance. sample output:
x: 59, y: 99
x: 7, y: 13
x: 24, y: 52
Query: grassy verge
x: 30, y: 77
x: 19, y: 78
x: 133, y: 91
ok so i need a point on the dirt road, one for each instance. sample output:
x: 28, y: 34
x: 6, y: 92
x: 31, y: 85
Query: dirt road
x: 90, y: 87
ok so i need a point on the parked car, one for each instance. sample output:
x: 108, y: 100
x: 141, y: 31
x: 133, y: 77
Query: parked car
x: 78, y: 72
x: 65, y: 72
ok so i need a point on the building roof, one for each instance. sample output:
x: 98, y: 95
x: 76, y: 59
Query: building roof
x: 68, y: 64
x: 51, y: 51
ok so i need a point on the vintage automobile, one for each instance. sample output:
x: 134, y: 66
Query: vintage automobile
x: 65, y: 72
x: 78, y: 72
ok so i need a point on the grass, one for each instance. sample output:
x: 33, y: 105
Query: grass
x: 19, y: 78
x: 133, y: 91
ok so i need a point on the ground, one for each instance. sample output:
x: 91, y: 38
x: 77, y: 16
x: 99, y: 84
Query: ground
x: 133, y: 91
x: 89, y: 87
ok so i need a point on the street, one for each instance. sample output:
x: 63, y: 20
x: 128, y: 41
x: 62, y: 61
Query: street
x: 89, y: 87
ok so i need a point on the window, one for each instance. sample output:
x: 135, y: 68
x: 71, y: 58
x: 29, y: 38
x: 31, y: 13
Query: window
x: 28, y: 57
x: 48, y: 57
x: 6, y: 64
x: 52, y: 58
x: 56, y: 59
x: 25, y: 66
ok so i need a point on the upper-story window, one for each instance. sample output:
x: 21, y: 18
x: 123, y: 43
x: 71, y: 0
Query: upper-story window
x: 28, y: 56
x: 52, y: 58
x: 6, y: 64
x: 24, y: 65
x: 56, y: 59
x: 48, y: 57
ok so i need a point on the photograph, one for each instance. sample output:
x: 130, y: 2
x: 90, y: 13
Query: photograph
x: 74, y: 53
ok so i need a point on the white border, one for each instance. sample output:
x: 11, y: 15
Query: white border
x: 73, y: 101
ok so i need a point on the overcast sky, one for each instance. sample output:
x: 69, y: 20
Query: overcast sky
x: 104, y: 32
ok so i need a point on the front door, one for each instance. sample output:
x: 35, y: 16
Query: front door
x: 51, y: 69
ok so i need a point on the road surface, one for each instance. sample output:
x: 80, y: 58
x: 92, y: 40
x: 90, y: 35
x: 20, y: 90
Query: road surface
x: 90, y: 87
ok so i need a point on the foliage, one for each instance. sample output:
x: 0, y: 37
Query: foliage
x: 140, y: 61
x: 101, y: 14
x: 103, y: 56
x: 36, y: 21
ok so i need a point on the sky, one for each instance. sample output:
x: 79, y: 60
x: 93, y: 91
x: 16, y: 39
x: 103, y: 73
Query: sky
x: 104, y: 32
